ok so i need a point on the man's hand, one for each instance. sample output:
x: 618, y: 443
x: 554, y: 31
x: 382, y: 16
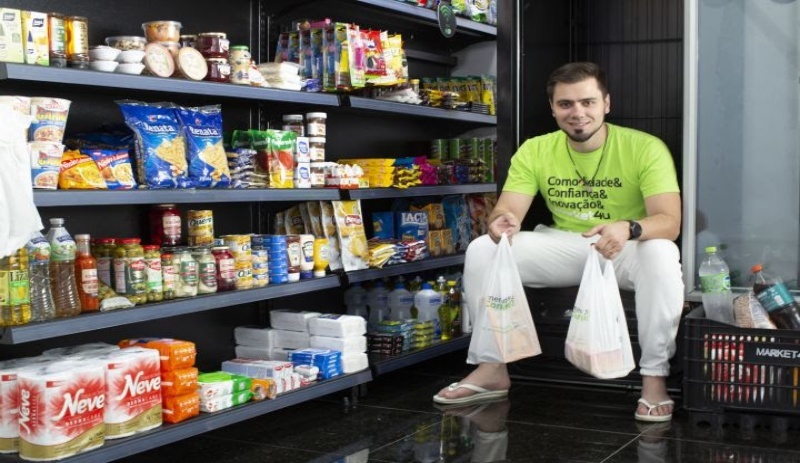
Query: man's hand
x: 504, y: 223
x: 613, y: 237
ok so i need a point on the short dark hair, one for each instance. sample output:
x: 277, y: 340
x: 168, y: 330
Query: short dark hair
x: 571, y: 73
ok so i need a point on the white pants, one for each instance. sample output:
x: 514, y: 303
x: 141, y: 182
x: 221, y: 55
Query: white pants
x: 551, y: 258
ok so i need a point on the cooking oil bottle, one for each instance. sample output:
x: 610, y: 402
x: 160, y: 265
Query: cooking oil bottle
x: 15, y: 301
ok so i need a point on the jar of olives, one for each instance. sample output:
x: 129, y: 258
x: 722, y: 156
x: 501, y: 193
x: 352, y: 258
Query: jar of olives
x: 187, y: 273
x: 152, y: 262
x: 129, y: 270
x: 207, y: 266
x: 170, y: 266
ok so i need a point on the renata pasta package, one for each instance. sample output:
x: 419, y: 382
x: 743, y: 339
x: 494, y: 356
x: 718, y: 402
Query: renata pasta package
x: 208, y: 164
x: 79, y: 172
x: 352, y: 237
x: 161, y: 160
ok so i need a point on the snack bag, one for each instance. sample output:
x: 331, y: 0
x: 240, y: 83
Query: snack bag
x: 329, y: 229
x: 79, y: 172
x: 115, y: 167
x: 352, y: 238
x: 202, y: 127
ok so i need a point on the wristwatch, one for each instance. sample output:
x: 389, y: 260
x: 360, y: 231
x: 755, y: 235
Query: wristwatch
x: 635, y: 230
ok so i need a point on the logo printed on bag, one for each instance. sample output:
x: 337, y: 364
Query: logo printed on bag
x: 499, y: 303
x: 580, y: 314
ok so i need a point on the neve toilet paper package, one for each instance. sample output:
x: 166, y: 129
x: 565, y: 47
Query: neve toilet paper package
x: 9, y: 399
x: 133, y: 395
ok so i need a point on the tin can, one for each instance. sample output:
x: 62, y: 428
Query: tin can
x: 239, y: 246
x: 440, y: 149
x: 200, y: 227
x: 489, y: 162
x: 457, y: 148
x: 244, y: 274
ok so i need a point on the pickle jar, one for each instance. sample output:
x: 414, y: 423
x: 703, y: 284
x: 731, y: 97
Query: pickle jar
x: 186, y: 285
x: 155, y: 279
x: 226, y: 268
x: 129, y: 270
x: 104, y: 254
x: 169, y: 274
x: 207, y: 270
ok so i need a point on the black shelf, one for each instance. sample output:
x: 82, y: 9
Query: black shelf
x: 84, y: 198
x: 401, y: 269
x: 405, y: 109
x: 97, y: 321
x: 62, y: 76
x: 413, y: 11
x: 382, y: 364
x: 438, y: 190
x: 169, y: 433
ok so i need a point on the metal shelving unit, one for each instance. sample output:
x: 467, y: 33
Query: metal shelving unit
x: 382, y: 364
x: 413, y: 11
x: 44, y: 198
x: 97, y: 321
x: 169, y: 433
x: 417, y: 110
x: 438, y: 190
x: 401, y: 269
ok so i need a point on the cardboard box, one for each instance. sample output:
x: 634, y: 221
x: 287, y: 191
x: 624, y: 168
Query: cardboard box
x: 37, y: 38
x: 11, y: 48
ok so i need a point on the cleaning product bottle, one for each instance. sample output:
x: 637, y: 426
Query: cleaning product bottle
x: 400, y: 302
x: 355, y: 299
x: 427, y: 301
x: 378, y: 302
x: 413, y: 287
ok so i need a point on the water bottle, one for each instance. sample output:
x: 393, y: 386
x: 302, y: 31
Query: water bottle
x: 775, y: 297
x: 427, y: 301
x: 42, y: 305
x: 715, y: 283
x: 62, y: 269
x: 355, y: 299
x: 400, y: 302
x: 378, y: 302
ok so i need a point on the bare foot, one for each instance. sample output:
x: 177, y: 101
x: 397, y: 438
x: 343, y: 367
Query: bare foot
x: 492, y: 376
x: 654, y: 390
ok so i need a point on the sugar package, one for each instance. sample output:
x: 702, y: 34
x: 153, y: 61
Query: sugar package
x: 337, y: 325
x: 255, y: 336
x: 292, y: 320
x: 350, y: 344
x: 290, y: 339
x: 352, y: 363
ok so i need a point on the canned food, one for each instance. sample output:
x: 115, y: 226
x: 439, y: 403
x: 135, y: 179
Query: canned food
x: 244, y: 274
x: 200, y: 227
x: 239, y: 246
x: 240, y: 64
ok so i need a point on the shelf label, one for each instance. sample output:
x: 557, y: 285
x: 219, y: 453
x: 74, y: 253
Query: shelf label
x: 447, y: 19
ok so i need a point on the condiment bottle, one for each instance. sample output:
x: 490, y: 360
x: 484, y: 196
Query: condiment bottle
x: 306, y: 256
x: 86, y: 272
x: 321, y: 256
x: 294, y: 255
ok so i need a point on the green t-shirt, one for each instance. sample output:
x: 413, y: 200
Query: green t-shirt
x: 635, y: 165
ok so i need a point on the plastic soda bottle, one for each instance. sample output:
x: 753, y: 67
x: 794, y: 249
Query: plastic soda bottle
x: 427, y: 302
x: 42, y: 305
x: 715, y: 283
x: 62, y: 269
x: 775, y: 297
x: 400, y: 302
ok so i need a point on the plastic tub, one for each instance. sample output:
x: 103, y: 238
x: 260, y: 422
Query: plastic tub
x: 162, y: 31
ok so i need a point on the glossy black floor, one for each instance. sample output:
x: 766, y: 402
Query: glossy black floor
x: 397, y: 422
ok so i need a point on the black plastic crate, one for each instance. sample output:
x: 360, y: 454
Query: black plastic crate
x: 730, y: 369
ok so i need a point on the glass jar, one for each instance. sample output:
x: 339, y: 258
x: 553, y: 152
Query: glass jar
x: 239, y: 60
x: 316, y: 149
x: 169, y: 274
x: 213, y: 45
x: 104, y: 254
x: 165, y: 225
x: 315, y: 124
x: 129, y: 270
x: 226, y: 268
x: 218, y: 70
x: 207, y: 270
x: 155, y: 279
x: 294, y: 123
x: 188, y: 40
x: 58, y: 39
x: 187, y: 273
x: 317, y: 170
x: 77, y: 38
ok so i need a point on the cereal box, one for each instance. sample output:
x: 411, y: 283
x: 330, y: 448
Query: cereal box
x: 435, y: 215
x: 352, y: 238
x: 37, y: 41
x: 11, y: 49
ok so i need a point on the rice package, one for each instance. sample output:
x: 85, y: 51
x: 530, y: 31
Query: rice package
x: 115, y: 167
x: 352, y: 237
x: 161, y: 160
x: 208, y: 164
x: 79, y: 172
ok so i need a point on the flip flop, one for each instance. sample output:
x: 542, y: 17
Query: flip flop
x: 480, y: 395
x: 649, y: 417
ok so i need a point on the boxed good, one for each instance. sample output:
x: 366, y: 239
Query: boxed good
x: 133, y: 391
x: 11, y: 46
x: 61, y: 409
x: 328, y: 361
x: 35, y: 31
x: 290, y: 339
x: 337, y: 325
x: 292, y: 320
x: 255, y: 336
x: 412, y: 226
x: 182, y: 407
x: 435, y: 214
x: 383, y: 225
x: 350, y: 344
x: 179, y: 382
x: 216, y: 404
x: 220, y: 383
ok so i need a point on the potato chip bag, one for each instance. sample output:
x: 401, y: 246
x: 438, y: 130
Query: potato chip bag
x: 208, y: 164
x: 79, y: 172
x: 352, y: 237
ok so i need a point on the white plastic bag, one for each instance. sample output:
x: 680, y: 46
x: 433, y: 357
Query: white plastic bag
x: 597, y: 341
x: 503, y: 330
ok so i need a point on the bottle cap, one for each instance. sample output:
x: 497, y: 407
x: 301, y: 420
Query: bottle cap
x: 756, y: 268
x: 711, y: 249
x: 56, y: 221
x: 426, y: 286
x: 319, y: 273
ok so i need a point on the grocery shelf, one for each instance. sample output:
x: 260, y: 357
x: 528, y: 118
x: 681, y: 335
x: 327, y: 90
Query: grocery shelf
x: 437, y: 190
x: 382, y: 364
x: 169, y: 433
x: 411, y: 10
x: 417, y: 110
x: 66, y: 76
x: 401, y: 269
x: 44, y: 198
x: 97, y: 321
